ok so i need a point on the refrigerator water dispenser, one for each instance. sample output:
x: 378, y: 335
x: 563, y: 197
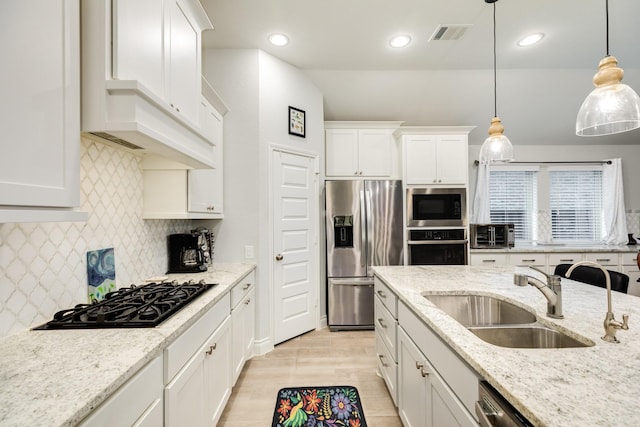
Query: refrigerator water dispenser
x: 343, y: 231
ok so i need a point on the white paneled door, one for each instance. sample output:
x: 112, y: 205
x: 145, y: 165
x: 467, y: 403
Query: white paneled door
x: 295, y: 248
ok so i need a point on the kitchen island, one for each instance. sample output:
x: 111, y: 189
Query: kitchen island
x: 58, y: 377
x: 595, y: 386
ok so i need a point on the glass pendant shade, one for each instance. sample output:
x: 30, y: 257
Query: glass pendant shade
x: 612, y: 107
x: 496, y: 148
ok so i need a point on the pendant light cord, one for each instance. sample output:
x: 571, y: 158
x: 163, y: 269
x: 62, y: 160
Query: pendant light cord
x: 607, y: 27
x: 495, y: 79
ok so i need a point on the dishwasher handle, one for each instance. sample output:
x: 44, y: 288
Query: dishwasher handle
x: 486, y: 417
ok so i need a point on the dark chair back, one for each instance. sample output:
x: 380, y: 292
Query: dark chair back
x: 594, y: 276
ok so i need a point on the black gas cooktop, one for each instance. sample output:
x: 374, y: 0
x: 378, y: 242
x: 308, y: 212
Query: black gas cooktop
x: 142, y: 306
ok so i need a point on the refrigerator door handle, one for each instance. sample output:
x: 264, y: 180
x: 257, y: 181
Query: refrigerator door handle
x: 363, y: 222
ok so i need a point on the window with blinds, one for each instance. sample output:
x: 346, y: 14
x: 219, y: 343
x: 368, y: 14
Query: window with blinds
x: 576, y: 205
x: 513, y: 199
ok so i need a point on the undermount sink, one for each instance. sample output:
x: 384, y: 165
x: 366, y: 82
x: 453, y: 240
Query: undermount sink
x: 481, y: 310
x: 502, y: 323
x: 529, y: 336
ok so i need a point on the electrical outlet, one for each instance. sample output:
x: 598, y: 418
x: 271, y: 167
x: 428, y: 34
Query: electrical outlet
x: 248, y: 252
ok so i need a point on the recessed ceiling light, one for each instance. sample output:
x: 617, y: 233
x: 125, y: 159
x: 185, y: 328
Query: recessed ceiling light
x: 400, y: 41
x: 530, y: 39
x: 278, y: 39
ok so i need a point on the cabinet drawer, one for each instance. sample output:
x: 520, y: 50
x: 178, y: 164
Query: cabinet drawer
x: 387, y: 367
x: 602, y: 258
x: 563, y: 258
x: 240, y: 291
x: 629, y: 259
x: 388, y: 298
x: 526, y: 259
x: 181, y: 350
x: 137, y: 402
x: 488, y: 259
x: 386, y: 327
x: 456, y: 373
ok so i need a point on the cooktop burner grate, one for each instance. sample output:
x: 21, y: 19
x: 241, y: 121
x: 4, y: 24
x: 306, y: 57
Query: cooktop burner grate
x: 143, y: 306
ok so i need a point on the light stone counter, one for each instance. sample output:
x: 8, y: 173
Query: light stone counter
x: 57, y: 377
x: 592, y: 386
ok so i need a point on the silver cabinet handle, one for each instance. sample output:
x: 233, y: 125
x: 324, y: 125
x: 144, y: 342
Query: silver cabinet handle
x: 566, y: 260
x: 381, y: 322
x: 419, y: 365
x: 603, y: 259
x: 248, y: 301
x: 211, y: 349
x: 382, y: 362
x: 488, y: 260
x: 424, y: 373
x: 279, y: 257
x: 248, y: 285
x: 381, y: 294
x: 528, y: 260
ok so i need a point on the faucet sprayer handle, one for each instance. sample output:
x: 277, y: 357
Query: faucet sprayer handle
x: 625, y: 321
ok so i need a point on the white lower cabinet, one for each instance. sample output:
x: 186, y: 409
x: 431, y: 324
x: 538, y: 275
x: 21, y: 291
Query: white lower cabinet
x: 197, y: 370
x: 137, y: 403
x: 386, y: 326
x: 243, y: 318
x: 435, y: 387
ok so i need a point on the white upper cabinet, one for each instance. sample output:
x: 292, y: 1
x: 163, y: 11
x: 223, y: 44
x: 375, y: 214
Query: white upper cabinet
x: 40, y: 115
x: 431, y: 158
x: 361, y: 149
x: 141, y: 66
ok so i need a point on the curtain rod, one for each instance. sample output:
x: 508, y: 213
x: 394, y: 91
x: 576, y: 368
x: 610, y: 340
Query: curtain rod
x: 592, y: 162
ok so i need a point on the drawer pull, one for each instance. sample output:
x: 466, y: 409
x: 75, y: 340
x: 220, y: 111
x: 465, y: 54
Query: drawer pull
x: 424, y: 373
x: 248, y: 301
x: 381, y: 294
x: 528, y: 260
x: 247, y: 286
x: 488, y: 260
x: 566, y: 260
x: 382, y: 362
x: 419, y: 365
x: 603, y: 259
x: 381, y: 322
x: 211, y: 349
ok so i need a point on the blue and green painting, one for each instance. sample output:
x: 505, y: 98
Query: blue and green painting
x: 101, y: 273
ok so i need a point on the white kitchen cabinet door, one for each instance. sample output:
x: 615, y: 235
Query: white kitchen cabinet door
x: 436, y: 159
x: 137, y: 57
x: 420, y: 159
x: 197, y: 394
x: 452, y: 159
x: 40, y: 117
x: 374, y: 152
x: 243, y: 315
x: 341, y: 152
x: 412, y: 385
x: 183, y: 60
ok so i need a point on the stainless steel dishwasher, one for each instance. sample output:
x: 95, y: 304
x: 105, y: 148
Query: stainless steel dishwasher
x: 494, y: 411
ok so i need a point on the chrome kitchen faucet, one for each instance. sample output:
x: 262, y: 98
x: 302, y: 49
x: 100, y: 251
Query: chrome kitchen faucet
x: 610, y: 323
x: 552, y: 290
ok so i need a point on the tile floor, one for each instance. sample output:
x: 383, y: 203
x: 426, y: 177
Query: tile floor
x: 315, y: 359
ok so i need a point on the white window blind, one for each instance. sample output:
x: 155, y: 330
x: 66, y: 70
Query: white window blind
x: 576, y: 205
x: 513, y: 199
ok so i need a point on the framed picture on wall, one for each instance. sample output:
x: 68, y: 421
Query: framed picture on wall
x: 297, y: 122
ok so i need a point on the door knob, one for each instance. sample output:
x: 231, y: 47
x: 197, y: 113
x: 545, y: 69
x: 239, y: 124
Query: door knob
x: 279, y: 257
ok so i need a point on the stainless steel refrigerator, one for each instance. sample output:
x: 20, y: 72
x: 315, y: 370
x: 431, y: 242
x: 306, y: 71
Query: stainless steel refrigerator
x: 364, y: 229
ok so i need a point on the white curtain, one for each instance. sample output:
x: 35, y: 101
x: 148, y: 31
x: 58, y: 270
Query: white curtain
x: 481, y: 213
x: 615, y: 222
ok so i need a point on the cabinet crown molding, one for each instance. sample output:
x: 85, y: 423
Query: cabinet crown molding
x: 362, y: 124
x: 433, y: 130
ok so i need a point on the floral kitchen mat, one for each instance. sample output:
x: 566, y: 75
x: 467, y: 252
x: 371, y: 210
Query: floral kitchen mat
x: 318, y: 407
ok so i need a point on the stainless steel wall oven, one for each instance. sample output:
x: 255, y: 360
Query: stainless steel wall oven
x: 437, y: 247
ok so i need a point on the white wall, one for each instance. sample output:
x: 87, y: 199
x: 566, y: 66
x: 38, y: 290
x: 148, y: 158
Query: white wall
x: 258, y: 89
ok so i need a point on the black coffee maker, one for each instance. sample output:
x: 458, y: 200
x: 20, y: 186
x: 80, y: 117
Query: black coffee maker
x: 187, y: 253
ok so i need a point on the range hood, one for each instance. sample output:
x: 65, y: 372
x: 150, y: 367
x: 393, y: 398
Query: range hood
x: 125, y: 113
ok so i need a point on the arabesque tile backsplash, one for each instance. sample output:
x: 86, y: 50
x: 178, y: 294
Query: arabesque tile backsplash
x: 43, y: 265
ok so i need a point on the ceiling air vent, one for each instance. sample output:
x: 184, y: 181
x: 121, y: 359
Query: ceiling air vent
x: 449, y: 32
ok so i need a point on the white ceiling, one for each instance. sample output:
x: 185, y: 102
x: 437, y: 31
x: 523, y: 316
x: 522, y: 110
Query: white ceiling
x: 342, y: 45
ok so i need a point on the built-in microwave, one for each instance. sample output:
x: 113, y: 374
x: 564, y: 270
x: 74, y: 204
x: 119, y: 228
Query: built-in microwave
x: 436, y: 207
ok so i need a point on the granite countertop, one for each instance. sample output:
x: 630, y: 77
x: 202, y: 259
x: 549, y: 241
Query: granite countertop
x: 559, y: 248
x: 57, y: 377
x: 591, y: 386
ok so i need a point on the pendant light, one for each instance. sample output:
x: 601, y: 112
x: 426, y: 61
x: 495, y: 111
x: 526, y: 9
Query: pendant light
x: 496, y: 148
x: 612, y: 107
